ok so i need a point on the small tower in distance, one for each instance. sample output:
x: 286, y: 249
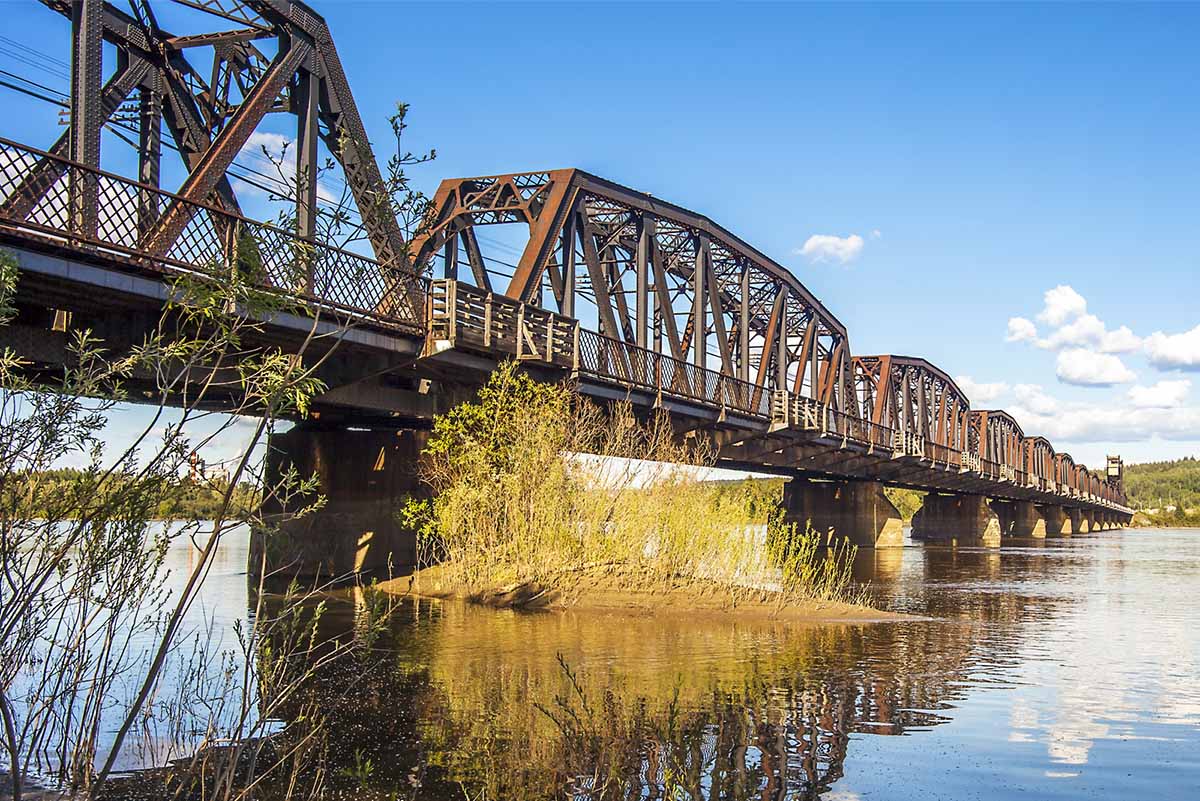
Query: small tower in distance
x: 1116, y: 472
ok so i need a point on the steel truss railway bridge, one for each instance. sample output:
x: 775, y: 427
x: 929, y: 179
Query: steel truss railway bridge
x: 571, y: 274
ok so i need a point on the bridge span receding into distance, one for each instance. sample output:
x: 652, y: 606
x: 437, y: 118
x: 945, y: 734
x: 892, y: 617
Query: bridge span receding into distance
x: 574, y: 276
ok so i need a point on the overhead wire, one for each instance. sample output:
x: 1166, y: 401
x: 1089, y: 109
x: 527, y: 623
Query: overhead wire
x: 240, y: 171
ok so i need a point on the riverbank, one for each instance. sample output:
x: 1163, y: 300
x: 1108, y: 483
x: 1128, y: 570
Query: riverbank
x: 616, y: 591
x: 1174, y: 519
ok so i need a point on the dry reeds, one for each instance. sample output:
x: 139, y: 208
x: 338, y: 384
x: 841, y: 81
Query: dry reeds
x: 536, y: 487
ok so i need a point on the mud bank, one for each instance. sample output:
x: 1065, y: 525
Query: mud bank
x: 616, y: 591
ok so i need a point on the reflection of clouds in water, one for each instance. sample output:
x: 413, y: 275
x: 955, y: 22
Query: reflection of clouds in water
x: 1124, y: 657
x: 1024, y: 720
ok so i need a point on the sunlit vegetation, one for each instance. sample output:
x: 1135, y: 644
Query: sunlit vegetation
x: 907, y: 501
x: 183, y: 498
x: 518, y: 507
x: 1157, y: 485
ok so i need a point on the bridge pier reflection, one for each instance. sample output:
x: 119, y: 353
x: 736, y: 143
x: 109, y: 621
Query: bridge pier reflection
x: 854, y: 510
x: 364, y: 476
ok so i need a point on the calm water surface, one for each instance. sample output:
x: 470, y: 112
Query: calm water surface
x: 1064, y: 669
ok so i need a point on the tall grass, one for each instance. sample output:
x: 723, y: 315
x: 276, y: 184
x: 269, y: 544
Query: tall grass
x: 536, y: 487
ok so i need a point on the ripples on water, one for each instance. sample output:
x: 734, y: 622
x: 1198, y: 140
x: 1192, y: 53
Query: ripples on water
x: 1064, y: 669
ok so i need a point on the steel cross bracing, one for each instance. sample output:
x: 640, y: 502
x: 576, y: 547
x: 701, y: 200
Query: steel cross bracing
x: 211, y: 90
x: 619, y: 287
x: 652, y: 275
x: 682, y: 307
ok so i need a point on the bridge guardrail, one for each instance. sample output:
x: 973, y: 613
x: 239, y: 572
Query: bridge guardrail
x: 95, y: 213
x: 460, y: 315
x: 797, y: 411
x: 619, y: 362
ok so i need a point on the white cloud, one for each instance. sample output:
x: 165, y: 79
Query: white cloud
x: 1088, y: 368
x: 1035, y: 399
x: 1174, y: 351
x: 876, y: 233
x: 1088, y: 331
x: 1109, y: 422
x: 1020, y: 329
x: 1163, y: 395
x: 825, y: 247
x: 979, y: 393
x: 1061, y: 304
x: 1120, y: 341
x: 280, y: 165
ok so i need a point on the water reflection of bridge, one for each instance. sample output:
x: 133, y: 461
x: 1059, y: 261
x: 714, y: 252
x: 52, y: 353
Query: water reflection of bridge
x: 721, y: 707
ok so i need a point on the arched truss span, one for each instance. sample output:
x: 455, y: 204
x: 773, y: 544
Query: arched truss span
x: 908, y: 394
x: 1039, y: 459
x: 644, y: 272
x: 999, y: 437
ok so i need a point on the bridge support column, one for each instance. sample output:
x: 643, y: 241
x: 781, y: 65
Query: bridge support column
x: 957, y: 520
x: 364, y: 476
x: 855, y: 510
x: 1020, y: 519
x: 1079, y: 521
x: 1059, y: 522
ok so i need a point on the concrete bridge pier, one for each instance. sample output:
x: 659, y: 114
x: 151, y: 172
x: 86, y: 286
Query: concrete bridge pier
x: 1081, y: 521
x: 855, y: 510
x: 1020, y: 519
x: 957, y: 520
x: 1059, y: 522
x: 365, y: 475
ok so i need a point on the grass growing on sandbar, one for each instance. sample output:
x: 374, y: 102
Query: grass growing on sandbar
x: 535, y: 487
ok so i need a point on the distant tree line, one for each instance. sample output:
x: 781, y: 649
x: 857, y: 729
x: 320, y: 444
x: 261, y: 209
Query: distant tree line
x: 1156, y: 485
x: 182, y: 498
x: 760, y: 496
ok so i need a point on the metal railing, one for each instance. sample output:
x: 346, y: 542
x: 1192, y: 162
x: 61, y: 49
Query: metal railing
x: 906, y: 443
x: 628, y: 365
x: 96, y: 214
x: 461, y: 315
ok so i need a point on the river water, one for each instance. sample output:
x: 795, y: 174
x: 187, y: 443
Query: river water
x: 1060, y: 669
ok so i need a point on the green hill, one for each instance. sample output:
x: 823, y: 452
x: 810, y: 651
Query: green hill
x: 1160, y: 484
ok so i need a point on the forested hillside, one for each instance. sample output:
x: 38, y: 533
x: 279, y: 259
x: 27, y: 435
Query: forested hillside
x: 1160, y: 484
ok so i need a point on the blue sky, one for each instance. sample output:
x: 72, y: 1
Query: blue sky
x: 999, y: 151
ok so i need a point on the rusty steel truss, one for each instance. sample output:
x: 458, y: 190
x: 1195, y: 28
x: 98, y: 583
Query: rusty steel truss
x: 682, y: 307
x: 623, y: 289
x: 651, y: 274
x: 211, y: 90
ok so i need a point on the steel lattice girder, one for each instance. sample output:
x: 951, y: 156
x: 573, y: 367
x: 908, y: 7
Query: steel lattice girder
x: 210, y: 126
x: 660, y: 276
x: 909, y: 394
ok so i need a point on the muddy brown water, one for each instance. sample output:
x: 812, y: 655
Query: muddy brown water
x: 1064, y: 669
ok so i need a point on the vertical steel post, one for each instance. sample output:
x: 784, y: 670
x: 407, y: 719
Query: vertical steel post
x: 567, y: 307
x: 642, y: 266
x: 700, y: 306
x: 149, y: 155
x: 450, y: 256
x: 744, y: 327
x: 307, y: 88
x: 86, y: 112
x: 781, y: 343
